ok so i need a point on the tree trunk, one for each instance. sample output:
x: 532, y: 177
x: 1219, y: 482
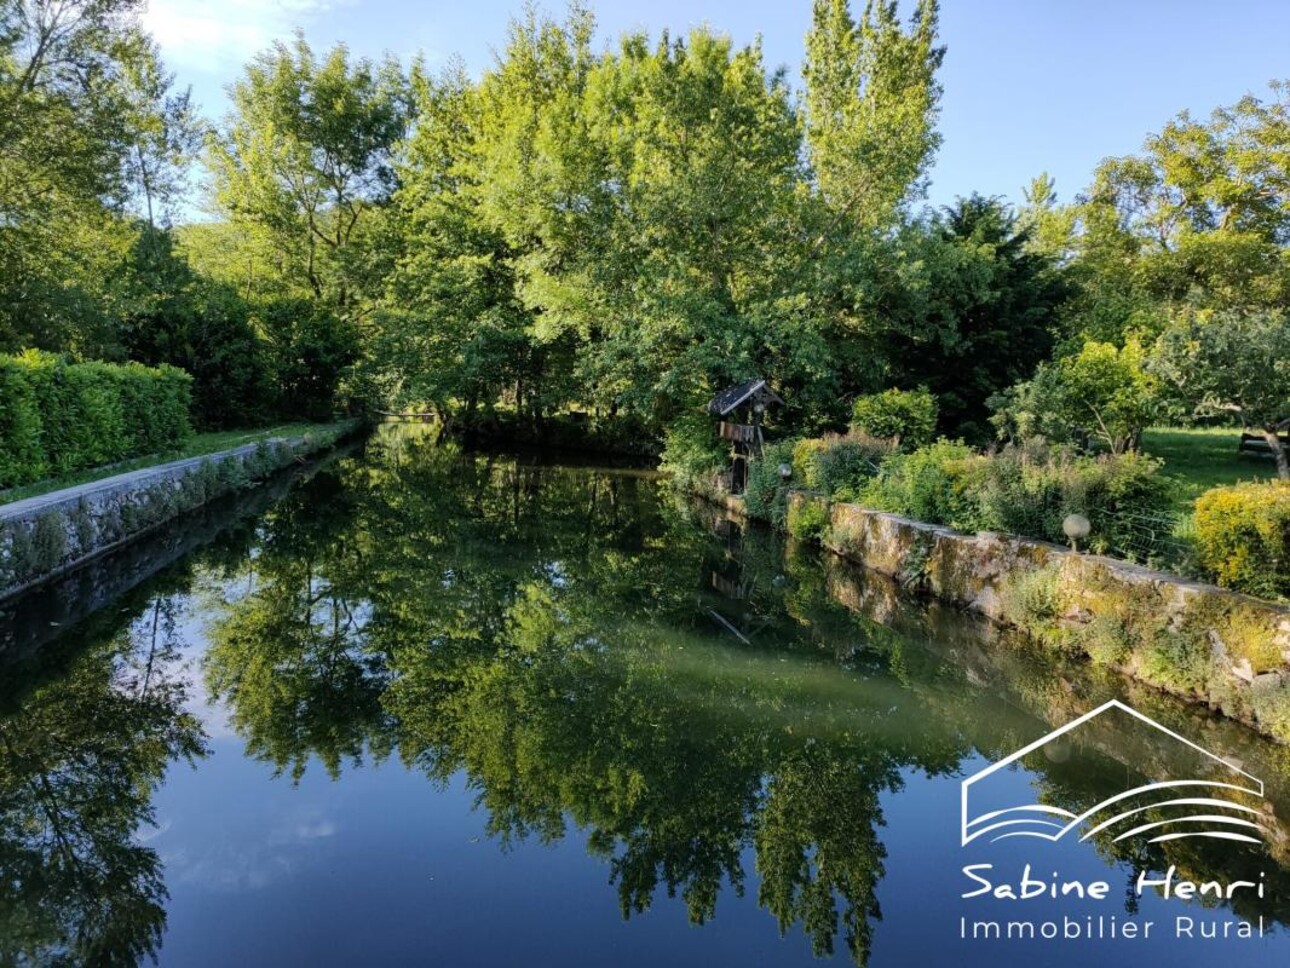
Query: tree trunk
x: 1278, y: 451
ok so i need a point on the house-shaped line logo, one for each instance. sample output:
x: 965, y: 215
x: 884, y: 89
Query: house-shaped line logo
x: 1197, y: 806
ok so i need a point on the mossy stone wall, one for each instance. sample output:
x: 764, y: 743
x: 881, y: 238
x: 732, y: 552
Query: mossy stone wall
x: 1194, y: 640
x: 49, y: 535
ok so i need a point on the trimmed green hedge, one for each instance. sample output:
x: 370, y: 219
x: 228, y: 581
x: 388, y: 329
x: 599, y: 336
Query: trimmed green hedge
x: 58, y: 417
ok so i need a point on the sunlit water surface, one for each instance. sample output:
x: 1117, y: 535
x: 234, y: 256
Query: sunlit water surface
x: 420, y: 707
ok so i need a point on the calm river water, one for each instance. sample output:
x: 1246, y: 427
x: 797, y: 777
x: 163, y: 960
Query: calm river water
x: 420, y: 707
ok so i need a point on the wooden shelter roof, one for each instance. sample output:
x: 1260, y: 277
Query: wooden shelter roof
x: 733, y: 397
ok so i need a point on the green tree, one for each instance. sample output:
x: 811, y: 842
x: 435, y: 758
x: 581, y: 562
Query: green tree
x: 305, y: 153
x: 618, y: 232
x: 1105, y: 392
x: 165, y: 136
x: 312, y: 349
x: 684, y: 284
x: 906, y: 416
x: 973, y: 310
x: 1232, y: 363
x: 87, y: 126
x: 1201, y: 217
x: 178, y: 316
x: 450, y: 330
x: 871, y: 101
x: 1049, y: 226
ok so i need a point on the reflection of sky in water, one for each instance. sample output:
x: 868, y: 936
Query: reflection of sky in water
x: 383, y: 869
x: 383, y: 866
x: 922, y: 904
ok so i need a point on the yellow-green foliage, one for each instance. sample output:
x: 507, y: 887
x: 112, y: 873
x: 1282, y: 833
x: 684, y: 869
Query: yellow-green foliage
x: 765, y: 492
x: 805, y: 452
x: 1270, y: 700
x: 1129, y: 627
x: 933, y: 484
x: 836, y: 465
x: 1030, y: 491
x: 1106, y: 640
x: 1243, y: 537
x: 907, y: 417
x: 57, y: 417
x: 808, y: 519
x: 1253, y: 638
x: 1246, y: 630
x: 1035, y: 602
x: 1177, y: 661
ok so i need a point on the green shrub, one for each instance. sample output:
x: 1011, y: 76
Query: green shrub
x: 83, y: 527
x: 805, y: 453
x: 58, y: 417
x: 906, y: 416
x: 766, y: 493
x: 1034, y: 602
x: 1242, y: 536
x: 48, y: 541
x: 1177, y: 662
x: 1129, y: 504
x: 1106, y: 640
x: 1271, y: 701
x: 693, y: 452
x: 809, y: 519
x: 934, y: 484
x: 21, y: 456
x: 1024, y: 492
x: 839, y: 466
x: 1030, y: 490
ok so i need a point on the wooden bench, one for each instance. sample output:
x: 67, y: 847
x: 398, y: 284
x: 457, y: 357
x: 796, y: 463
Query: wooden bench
x: 1258, y: 444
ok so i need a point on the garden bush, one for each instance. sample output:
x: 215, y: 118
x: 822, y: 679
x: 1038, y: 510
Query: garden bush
x: 766, y: 493
x: 1030, y: 490
x: 57, y: 417
x: 809, y: 520
x: 692, y: 453
x: 934, y: 484
x: 21, y: 457
x: 907, y: 417
x: 839, y: 466
x: 1242, y: 535
x: 1034, y: 602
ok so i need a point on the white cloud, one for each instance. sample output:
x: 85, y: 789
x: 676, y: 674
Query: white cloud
x: 202, y: 35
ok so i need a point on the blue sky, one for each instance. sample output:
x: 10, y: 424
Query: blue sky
x: 1044, y: 85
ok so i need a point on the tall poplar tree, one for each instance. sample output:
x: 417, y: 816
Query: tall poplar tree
x: 872, y: 100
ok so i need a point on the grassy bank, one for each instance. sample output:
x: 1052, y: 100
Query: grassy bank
x: 196, y: 446
x: 1201, y: 458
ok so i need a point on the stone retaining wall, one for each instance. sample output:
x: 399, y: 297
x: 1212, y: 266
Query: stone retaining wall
x: 46, y: 536
x: 1207, y: 644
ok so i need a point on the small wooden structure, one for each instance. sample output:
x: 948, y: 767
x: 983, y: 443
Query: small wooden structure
x: 1258, y: 443
x: 741, y: 409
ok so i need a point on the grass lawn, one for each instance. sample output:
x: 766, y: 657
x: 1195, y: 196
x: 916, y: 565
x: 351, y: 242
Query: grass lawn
x: 197, y: 445
x: 1202, y: 458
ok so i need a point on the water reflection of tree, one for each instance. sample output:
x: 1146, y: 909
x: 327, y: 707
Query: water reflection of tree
x: 1082, y: 781
x: 550, y: 634
x: 538, y: 629
x: 80, y: 757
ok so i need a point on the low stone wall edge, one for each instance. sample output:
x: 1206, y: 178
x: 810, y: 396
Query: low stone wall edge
x: 52, y: 534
